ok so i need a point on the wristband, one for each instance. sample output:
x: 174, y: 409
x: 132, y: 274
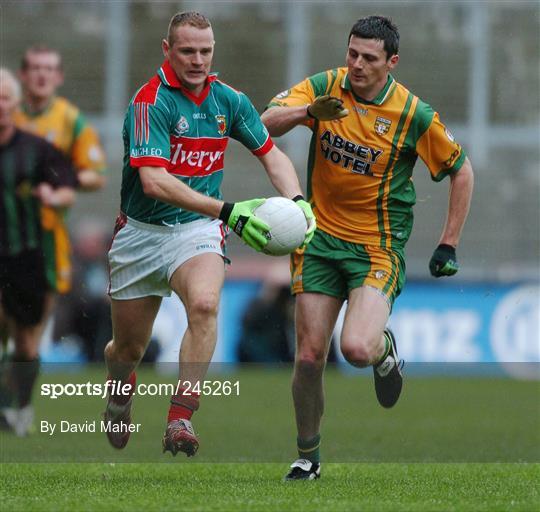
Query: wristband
x: 299, y: 197
x: 226, y: 211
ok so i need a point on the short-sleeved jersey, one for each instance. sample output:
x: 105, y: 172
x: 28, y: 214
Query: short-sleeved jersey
x: 62, y: 124
x: 26, y: 161
x: 360, y: 167
x: 167, y: 126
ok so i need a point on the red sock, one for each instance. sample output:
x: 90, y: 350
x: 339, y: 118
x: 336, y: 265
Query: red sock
x: 121, y: 391
x: 183, y: 405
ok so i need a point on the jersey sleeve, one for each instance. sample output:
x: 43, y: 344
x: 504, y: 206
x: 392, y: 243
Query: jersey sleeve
x: 56, y: 169
x: 248, y: 128
x: 305, y: 92
x: 149, y: 134
x: 439, y: 150
x: 87, y: 152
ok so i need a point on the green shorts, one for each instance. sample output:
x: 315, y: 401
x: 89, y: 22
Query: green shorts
x: 335, y: 267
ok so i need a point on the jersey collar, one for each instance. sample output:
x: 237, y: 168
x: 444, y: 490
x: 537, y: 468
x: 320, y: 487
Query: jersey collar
x: 168, y: 77
x: 25, y: 108
x: 383, y: 95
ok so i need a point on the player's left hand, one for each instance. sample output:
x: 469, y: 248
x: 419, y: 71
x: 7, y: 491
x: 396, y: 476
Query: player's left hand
x: 310, y: 218
x: 444, y: 261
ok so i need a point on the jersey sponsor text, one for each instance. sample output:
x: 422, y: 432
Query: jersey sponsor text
x: 349, y: 155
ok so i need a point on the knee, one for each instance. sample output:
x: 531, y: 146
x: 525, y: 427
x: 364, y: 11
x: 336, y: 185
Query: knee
x: 124, y: 352
x: 203, y: 308
x: 310, y: 361
x: 358, y: 352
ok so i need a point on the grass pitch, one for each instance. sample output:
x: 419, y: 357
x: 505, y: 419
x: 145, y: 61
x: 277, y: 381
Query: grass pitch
x: 450, y: 444
x: 258, y: 487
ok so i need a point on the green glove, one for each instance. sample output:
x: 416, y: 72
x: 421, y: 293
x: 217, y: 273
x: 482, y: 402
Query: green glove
x: 327, y: 108
x: 239, y: 217
x: 444, y: 261
x: 310, y: 218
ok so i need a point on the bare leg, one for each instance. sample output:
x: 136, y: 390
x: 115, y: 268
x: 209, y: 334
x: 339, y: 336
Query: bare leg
x: 132, y: 327
x: 316, y: 315
x: 198, y: 283
x: 362, y: 342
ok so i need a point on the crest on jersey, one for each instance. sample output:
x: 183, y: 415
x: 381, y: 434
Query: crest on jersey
x: 182, y: 126
x: 221, y: 124
x: 283, y: 94
x: 382, y: 125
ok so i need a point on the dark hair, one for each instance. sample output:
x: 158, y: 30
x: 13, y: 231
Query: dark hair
x: 195, y: 19
x: 377, y: 27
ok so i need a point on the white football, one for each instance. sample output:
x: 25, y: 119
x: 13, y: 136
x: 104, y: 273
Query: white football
x: 287, y: 223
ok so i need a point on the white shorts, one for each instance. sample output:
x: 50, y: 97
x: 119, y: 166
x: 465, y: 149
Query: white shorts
x: 143, y: 257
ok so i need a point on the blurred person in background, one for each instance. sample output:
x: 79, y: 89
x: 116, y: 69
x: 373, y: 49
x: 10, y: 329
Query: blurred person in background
x: 268, y: 322
x: 32, y: 174
x: 61, y: 123
x: 368, y: 131
x: 84, y: 312
x: 170, y: 235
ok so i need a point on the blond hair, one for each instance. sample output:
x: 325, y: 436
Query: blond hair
x: 7, y: 77
x: 192, y: 18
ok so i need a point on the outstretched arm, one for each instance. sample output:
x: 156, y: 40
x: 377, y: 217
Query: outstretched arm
x: 280, y: 120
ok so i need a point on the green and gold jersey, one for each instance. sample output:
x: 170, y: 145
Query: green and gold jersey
x: 360, y: 167
x: 62, y: 124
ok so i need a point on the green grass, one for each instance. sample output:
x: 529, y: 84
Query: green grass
x: 467, y: 443
x: 258, y: 487
x: 438, y: 419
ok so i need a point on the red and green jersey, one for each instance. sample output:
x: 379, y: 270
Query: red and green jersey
x: 167, y: 126
x: 360, y: 167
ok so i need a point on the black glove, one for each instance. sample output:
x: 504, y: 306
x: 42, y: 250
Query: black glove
x: 444, y: 261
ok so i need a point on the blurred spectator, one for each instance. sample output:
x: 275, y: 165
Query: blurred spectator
x: 33, y: 174
x: 45, y: 114
x: 84, y: 311
x: 268, y: 331
x: 268, y: 327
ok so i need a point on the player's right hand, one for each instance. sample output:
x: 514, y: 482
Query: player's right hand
x: 241, y: 219
x: 327, y: 108
x: 444, y: 261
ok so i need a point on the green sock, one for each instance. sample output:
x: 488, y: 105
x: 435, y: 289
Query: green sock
x: 309, y: 448
x: 387, y: 347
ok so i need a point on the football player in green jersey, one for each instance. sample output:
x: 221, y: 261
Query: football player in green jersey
x: 171, y: 232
